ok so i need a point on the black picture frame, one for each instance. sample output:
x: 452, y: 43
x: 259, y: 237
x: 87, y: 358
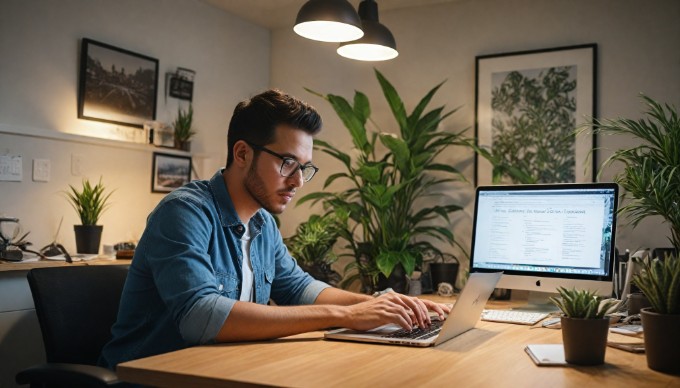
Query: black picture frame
x: 169, y: 172
x: 504, y: 116
x: 115, y: 85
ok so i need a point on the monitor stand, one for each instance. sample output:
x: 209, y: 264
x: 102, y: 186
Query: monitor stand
x: 533, y: 301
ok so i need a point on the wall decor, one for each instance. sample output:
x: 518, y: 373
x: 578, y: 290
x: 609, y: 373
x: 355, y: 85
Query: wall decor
x: 180, y: 84
x: 528, y: 106
x: 115, y: 85
x: 169, y: 172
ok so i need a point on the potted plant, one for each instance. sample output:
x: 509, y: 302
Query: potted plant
x: 584, y: 325
x: 388, y: 173
x: 650, y: 177
x: 89, y: 202
x: 659, y: 281
x: 312, y: 246
x: 183, y: 130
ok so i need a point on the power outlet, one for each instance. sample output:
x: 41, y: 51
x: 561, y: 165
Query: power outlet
x: 41, y: 170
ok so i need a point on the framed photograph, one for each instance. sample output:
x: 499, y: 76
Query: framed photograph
x: 181, y: 84
x: 116, y: 86
x: 527, y: 109
x: 169, y: 172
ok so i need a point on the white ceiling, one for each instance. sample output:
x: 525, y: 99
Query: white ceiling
x: 274, y: 14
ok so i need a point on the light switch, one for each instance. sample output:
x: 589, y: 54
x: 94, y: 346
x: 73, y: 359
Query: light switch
x: 41, y: 170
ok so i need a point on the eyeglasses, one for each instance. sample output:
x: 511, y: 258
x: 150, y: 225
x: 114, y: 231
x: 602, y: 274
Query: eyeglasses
x: 290, y: 166
x: 55, y: 249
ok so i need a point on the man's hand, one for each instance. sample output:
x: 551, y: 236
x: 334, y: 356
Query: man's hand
x: 395, y: 308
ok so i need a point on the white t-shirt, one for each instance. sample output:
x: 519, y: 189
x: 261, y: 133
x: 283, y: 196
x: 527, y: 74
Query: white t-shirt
x: 246, y: 268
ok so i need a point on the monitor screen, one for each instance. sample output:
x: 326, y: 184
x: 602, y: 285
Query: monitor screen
x: 545, y: 236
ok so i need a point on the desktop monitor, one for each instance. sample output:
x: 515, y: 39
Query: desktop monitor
x: 546, y: 235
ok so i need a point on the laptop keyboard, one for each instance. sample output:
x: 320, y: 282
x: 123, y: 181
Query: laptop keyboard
x: 418, y: 333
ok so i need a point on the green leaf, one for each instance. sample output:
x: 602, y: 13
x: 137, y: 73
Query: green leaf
x: 394, y: 101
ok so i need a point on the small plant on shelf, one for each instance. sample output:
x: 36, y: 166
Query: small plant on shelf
x: 183, y: 128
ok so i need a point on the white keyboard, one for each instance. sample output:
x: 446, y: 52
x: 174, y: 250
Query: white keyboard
x: 513, y: 316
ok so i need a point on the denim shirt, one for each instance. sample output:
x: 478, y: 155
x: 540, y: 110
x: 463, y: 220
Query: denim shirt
x: 186, y: 273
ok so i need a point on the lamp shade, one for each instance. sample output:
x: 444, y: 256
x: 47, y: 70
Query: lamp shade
x: 377, y: 44
x: 328, y: 21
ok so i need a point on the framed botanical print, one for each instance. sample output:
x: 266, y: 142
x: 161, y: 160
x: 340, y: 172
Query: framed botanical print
x: 527, y: 109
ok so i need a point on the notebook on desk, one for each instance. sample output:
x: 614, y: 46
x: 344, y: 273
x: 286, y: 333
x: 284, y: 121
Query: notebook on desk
x: 463, y: 316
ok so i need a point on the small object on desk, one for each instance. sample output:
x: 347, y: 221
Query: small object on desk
x: 546, y: 354
x: 445, y: 289
x: 513, y: 316
x: 552, y: 323
x: 633, y: 347
x: 125, y: 254
x: 632, y: 330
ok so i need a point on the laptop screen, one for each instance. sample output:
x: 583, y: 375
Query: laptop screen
x: 558, y: 230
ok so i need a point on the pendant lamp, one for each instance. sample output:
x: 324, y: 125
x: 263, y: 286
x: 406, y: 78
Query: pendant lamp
x: 377, y: 44
x: 328, y: 21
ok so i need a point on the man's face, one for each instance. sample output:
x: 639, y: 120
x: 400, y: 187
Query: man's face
x: 264, y: 182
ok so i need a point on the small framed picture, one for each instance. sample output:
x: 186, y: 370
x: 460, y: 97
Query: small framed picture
x: 116, y: 85
x: 169, y: 172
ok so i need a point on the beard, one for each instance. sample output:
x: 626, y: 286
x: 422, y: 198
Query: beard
x: 257, y: 189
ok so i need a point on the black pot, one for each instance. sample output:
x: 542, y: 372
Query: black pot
x: 396, y: 281
x: 585, y: 340
x: 662, y: 340
x: 443, y: 273
x: 88, y: 238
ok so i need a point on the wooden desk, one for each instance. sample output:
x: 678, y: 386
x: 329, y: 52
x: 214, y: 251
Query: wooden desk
x: 6, y: 266
x: 491, y: 355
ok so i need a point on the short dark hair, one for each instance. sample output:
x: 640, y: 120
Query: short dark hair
x: 255, y: 120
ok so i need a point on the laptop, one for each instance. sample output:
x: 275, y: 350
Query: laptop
x: 463, y: 316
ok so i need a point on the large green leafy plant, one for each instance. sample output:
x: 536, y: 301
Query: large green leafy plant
x: 393, y: 196
x: 651, y: 169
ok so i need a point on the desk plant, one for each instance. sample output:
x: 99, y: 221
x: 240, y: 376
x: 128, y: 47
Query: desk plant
x: 650, y: 177
x: 584, y: 325
x: 659, y: 280
x: 312, y: 245
x: 89, y: 202
x: 387, y: 173
x: 183, y: 130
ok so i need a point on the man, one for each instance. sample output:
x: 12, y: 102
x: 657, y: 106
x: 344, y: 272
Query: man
x: 211, y: 256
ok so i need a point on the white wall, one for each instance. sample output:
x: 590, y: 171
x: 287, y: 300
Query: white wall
x: 637, y: 40
x: 39, y: 51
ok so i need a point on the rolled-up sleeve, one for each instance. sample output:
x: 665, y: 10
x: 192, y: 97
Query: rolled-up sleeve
x: 212, y: 311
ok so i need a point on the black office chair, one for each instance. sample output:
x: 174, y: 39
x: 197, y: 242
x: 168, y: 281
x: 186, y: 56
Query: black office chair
x: 76, y: 307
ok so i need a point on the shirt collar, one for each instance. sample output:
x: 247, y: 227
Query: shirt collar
x: 225, y: 207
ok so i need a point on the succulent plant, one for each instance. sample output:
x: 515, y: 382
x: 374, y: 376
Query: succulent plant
x: 659, y: 280
x: 583, y: 304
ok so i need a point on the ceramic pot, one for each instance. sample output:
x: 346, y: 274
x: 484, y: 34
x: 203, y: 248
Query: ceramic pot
x: 662, y: 340
x: 88, y: 238
x: 585, y: 340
